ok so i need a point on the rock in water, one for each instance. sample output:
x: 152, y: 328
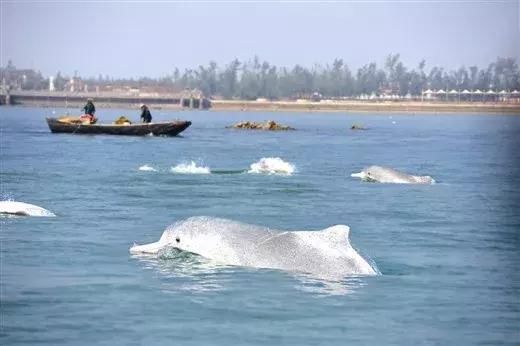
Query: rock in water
x: 269, y: 125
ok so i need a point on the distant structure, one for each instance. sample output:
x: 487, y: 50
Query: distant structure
x: 75, y: 84
x: 73, y: 95
x: 316, y: 97
x: 193, y: 99
x: 51, y: 83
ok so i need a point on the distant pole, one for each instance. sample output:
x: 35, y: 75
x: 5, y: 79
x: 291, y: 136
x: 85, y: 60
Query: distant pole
x: 7, y: 97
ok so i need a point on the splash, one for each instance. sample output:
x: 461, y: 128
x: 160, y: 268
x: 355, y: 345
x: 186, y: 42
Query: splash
x: 323, y: 254
x: 191, y: 168
x: 272, y: 165
x: 23, y: 209
x: 146, y: 168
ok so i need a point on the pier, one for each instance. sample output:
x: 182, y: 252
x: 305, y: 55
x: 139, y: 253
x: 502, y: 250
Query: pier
x: 182, y: 100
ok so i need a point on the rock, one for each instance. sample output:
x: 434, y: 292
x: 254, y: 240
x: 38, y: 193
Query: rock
x: 267, y: 126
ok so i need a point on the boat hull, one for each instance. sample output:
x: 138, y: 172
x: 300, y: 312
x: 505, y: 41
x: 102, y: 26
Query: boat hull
x: 171, y: 128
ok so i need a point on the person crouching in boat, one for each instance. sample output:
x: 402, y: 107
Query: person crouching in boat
x: 146, y: 116
x: 90, y: 111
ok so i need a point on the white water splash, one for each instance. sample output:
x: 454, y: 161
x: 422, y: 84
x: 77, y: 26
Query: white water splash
x: 23, y: 209
x: 190, y: 168
x: 147, y: 168
x: 272, y: 165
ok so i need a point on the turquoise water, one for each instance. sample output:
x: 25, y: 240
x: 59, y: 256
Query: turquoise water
x: 448, y: 253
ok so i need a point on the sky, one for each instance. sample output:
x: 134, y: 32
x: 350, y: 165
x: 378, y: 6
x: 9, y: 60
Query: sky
x: 138, y: 38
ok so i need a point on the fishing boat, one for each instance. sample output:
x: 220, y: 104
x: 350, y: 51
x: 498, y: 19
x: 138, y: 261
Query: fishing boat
x: 169, y: 128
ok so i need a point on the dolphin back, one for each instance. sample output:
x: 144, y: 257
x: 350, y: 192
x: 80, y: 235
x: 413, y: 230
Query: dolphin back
x: 23, y: 209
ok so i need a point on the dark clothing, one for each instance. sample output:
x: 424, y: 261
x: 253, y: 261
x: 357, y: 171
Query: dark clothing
x: 146, y: 116
x: 89, y: 108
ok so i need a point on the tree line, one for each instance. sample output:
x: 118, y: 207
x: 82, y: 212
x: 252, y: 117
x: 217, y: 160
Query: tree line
x: 254, y: 79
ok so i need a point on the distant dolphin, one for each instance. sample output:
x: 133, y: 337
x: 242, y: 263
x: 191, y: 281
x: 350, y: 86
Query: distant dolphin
x: 388, y: 175
x: 23, y: 209
x: 325, y: 254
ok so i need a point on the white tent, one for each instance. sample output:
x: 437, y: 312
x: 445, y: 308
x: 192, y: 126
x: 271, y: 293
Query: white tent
x: 503, y: 92
x: 428, y: 92
x: 453, y: 91
x: 440, y: 92
x: 490, y: 92
x: 466, y: 92
x: 477, y: 92
x: 515, y: 92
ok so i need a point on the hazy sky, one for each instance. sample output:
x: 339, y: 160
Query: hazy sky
x: 122, y: 38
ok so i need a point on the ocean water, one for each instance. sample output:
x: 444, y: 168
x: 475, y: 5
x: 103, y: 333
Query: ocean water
x: 448, y: 254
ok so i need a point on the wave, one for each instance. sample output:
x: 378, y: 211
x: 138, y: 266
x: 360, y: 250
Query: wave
x: 272, y: 165
x: 147, y: 168
x: 191, y: 168
x: 23, y: 209
x: 323, y: 254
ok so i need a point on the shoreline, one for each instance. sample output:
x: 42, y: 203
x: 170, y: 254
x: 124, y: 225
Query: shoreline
x: 406, y: 107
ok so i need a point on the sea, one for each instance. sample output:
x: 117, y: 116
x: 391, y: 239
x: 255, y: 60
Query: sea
x: 447, y: 255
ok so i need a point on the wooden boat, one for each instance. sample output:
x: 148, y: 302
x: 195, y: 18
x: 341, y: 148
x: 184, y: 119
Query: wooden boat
x: 170, y: 128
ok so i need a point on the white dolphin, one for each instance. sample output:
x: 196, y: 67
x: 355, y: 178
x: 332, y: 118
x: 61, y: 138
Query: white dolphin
x: 326, y: 253
x: 389, y: 175
x: 23, y: 209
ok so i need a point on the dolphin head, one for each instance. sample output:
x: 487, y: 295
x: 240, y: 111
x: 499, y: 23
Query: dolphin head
x: 369, y: 174
x: 192, y: 235
x: 171, y: 237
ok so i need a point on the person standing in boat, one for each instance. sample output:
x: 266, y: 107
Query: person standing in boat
x: 146, y: 116
x: 90, y: 111
x: 89, y: 107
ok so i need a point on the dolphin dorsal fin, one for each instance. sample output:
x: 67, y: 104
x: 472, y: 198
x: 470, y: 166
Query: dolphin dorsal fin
x: 337, y: 233
x: 335, y: 237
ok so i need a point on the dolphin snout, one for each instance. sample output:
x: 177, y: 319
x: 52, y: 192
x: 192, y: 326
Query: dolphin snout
x: 152, y: 248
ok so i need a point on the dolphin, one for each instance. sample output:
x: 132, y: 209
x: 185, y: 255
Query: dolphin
x: 388, y: 175
x: 326, y: 253
x: 23, y: 209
